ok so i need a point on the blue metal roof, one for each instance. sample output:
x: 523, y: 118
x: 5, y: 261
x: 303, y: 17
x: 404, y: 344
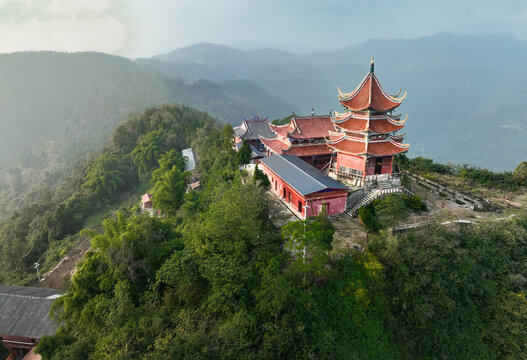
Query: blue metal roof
x: 301, y: 176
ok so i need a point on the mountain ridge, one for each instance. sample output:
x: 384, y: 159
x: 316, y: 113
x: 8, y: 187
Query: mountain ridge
x: 461, y: 89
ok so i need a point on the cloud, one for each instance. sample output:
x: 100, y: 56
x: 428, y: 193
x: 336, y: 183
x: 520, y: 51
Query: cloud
x: 62, y: 25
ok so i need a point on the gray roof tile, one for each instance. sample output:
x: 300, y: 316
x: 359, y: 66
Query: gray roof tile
x: 256, y: 128
x: 303, y: 177
x: 24, y: 311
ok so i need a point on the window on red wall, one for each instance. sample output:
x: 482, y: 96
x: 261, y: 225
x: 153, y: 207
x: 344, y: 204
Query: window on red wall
x: 299, y: 206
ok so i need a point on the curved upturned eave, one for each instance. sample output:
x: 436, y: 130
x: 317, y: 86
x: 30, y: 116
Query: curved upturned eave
x: 353, y: 146
x: 370, y: 95
x: 383, y: 124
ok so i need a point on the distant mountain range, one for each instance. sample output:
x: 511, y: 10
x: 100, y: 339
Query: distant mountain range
x: 465, y: 93
x: 465, y: 99
x: 56, y: 107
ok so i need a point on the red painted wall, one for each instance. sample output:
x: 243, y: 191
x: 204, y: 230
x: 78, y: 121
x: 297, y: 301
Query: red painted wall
x: 335, y: 204
x: 336, y: 200
x: 370, y: 166
x: 387, y: 165
x: 321, y: 161
x: 350, y: 161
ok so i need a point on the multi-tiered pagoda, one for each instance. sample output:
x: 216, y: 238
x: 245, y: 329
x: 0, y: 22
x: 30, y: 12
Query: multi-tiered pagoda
x: 366, y: 139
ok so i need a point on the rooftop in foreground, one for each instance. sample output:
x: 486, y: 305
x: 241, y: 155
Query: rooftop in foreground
x: 303, y: 177
x: 24, y: 311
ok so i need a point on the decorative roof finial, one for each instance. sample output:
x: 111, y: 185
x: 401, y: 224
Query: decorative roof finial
x: 371, y: 65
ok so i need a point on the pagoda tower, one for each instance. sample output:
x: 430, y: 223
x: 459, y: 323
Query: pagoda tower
x: 366, y: 139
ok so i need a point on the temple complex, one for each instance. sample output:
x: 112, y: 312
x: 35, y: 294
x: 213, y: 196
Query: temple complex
x: 366, y: 139
x: 303, y: 136
x: 356, y: 147
x: 251, y: 130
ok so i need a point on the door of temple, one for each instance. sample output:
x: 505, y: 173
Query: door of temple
x: 378, y: 165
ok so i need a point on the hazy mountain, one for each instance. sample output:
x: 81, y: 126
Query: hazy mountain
x: 55, y: 107
x: 465, y: 93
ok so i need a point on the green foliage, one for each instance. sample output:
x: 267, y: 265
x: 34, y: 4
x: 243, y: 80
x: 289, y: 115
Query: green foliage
x: 41, y: 231
x: 457, y: 294
x: 503, y: 180
x: 282, y: 121
x: 52, y: 121
x: 166, y: 162
x: 223, y: 289
x: 414, y: 203
x: 211, y: 280
x: 367, y: 217
x: 260, y: 178
x: 244, y: 153
x: 391, y: 209
x: 169, y: 189
x: 104, y: 176
x: 520, y: 173
x: 227, y: 136
x: 422, y: 164
x: 310, y: 241
x: 146, y: 153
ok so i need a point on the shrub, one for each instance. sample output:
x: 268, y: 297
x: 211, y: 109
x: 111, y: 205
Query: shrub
x: 367, y: 217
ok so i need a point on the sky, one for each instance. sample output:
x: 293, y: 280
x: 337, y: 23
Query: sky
x: 142, y: 28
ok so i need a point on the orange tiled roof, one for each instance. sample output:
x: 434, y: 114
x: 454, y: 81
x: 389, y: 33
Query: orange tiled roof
x: 355, y: 146
x: 305, y: 127
x: 308, y: 150
x: 369, y: 94
x: 386, y: 147
x: 279, y: 147
x: 335, y: 136
x: 382, y: 124
x: 275, y: 145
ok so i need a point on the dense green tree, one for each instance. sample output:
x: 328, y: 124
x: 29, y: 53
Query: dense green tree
x: 391, y: 209
x: 260, y: 178
x: 244, y: 153
x: 104, y: 176
x: 310, y: 241
x: 169, y: 190
x: 520, y: 173
x: 366, y: 215
x: 146, y: 153
x: 227, y: 135
x: 166, y: 162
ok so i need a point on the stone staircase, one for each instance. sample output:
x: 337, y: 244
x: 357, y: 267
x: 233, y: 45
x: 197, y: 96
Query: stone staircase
x: 375, y: 193
x: 366, y: 199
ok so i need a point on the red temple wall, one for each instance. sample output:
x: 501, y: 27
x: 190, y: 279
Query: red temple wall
x: 336, y: 200
x: 387, y: 165
x: 335, y: 204
x: 350, y: 161
x: 292, y: 197
x: 319, y: 161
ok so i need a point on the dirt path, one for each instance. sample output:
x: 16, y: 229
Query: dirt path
x: 67, y: 266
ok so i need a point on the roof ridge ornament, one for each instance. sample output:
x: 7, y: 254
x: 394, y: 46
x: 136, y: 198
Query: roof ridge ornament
x: 372, y: 65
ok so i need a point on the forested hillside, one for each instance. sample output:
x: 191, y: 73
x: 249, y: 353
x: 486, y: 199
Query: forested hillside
x: 465, y: 93
x: 55, y: 107
x: 213, y: 278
